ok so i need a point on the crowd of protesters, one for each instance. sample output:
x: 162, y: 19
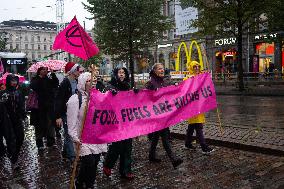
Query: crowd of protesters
x: 61, y: 105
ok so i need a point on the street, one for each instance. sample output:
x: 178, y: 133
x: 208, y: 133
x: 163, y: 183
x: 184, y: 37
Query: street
x: 224, y: 168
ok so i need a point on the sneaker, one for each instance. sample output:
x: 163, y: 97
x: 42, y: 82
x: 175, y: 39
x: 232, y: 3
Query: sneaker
x: 128, y: 176
x: 39, y: 144
x: 15, y: 166
x: 190, y: 146
x: 107, y: 171
x: 207, y: 150
x: 155, y: 160
x: 78, y: 185
x: 177, y: 162
x: 50, y: 142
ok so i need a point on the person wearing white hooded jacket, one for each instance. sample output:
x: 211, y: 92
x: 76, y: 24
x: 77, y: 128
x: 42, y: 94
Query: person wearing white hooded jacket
x: 89, y: 153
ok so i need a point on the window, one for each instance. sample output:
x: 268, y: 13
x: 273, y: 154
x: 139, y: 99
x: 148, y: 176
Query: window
x: 17, y: 46
x: 33, y: 38
x: 39, y: 56
x: 44, y: 39
x: 33, y: 46
x: 11, y: 46
x: 171, y: 7
x: 33, y: 56
x: 26, y: 46
x: 44, y: 47
x: 26, y: 38
x: 38, y: 47
x: 38, y: 38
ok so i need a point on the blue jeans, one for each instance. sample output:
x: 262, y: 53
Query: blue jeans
x: 68, y: 148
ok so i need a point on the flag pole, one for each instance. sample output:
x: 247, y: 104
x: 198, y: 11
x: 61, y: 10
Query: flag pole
x: 219, y: 120
x: 78, y: 146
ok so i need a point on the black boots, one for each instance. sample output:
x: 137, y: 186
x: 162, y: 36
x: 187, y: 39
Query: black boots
x: 177, y: 162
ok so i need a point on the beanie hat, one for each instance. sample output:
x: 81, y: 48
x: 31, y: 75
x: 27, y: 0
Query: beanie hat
x: 70, y: 67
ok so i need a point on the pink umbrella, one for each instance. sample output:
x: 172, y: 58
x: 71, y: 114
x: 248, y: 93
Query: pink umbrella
x: 3, y: 78
x: 50, y: 64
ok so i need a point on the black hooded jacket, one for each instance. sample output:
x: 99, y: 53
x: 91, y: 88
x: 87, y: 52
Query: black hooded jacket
x: 14, y: 102
x: 118, y: 85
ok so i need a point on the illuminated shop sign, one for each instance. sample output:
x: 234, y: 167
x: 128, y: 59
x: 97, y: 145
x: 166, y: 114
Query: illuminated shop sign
x: 166, y: 45
x: 265, y: 36
x: 225, y: 41
x: 15, y: 61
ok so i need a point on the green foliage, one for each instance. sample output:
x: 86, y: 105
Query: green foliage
x: 127, y: 25
x: 227, y: 17
x: 2, y: 45
x: 97, y: 60
x: 275, y: 14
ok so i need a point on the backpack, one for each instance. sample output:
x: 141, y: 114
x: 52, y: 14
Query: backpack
x: 32, y: 101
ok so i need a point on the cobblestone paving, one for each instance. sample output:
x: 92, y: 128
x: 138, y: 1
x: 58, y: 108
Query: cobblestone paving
x: 225, y: 168
x: 256, y: 121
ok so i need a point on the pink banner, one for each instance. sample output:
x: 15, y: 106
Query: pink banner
x: 127, y: 115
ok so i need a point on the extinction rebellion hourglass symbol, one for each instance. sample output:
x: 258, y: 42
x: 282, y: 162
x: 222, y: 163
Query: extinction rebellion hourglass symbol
x: 71, y: 35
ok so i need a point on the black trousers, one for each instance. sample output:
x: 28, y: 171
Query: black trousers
x: 18, y: 128
x: 12, y: 129
x: 154, y: 137
x: 122, y: 149
x: 88, y: 169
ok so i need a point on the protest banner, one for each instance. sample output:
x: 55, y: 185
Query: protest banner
x: 127, y: 115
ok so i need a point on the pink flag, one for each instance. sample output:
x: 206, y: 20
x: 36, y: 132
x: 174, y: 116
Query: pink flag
x: 75, y: 40
x: 127, y: 115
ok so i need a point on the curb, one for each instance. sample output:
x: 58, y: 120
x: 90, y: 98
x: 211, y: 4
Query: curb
x: 249, y: 93
x: 234, y: 145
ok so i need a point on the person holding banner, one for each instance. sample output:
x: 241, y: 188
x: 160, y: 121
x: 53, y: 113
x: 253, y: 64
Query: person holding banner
x: 157, y: 80
x: 120, y: 82
x: 89, y: 153
x: 196, y: 122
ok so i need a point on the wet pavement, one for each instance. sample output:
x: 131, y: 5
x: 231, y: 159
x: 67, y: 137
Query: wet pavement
x: 224, y: 168
x: 249, y: 120
x: 256, y: 121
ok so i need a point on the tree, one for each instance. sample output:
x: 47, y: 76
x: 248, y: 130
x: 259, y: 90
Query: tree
x: 3, y: 41
x: 227, y: 18
x: 123, y: 28
x: 275, y: 14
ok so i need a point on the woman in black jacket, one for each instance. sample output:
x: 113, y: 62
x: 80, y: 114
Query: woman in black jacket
x: 119, y: 82
x: 158, y: 80
x: 43, y: 116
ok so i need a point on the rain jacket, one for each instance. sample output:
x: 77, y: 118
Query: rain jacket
x: 201, y: 117
x: 75, y: 115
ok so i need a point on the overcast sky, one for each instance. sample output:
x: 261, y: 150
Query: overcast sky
x: 38, y: 10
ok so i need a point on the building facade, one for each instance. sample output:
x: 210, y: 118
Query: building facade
x: 35, y: 38
x: 261, y: 52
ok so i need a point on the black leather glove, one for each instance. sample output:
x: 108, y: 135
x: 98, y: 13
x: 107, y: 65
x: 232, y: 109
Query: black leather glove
x: 135, y: 90
x: 113, y: 92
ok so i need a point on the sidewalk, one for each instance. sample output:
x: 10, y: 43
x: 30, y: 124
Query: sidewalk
x: 267, y: 141
x: 258, y: 90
